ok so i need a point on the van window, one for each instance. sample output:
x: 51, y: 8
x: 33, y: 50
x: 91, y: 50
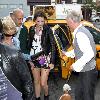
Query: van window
x: 95, y: 33
x: 63, y: 41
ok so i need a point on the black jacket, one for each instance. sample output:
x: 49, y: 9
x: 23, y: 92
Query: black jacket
x: 47, y: 41
x: 17, y: 71
x: 23, y: 36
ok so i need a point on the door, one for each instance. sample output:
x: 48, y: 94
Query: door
x: 63, y: 41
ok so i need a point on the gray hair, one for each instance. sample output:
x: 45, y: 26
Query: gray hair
x: 75, y: 16
x: 66, y: 87
x: 17, y: 10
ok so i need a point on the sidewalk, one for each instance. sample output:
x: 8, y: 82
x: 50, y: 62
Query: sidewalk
x: 55, y: 87
x: 56, y: 83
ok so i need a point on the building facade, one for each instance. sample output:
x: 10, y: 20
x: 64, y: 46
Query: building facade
x: 7, y: 6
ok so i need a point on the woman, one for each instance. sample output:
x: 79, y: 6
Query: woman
x: 15, y: 79
x: 1, y: 27
x: 41, y: 43
x: 9, y: 30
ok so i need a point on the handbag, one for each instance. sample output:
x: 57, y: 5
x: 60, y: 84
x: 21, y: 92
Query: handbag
x: 35, y: 56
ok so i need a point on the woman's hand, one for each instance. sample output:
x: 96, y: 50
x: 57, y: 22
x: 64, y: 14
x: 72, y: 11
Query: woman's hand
x: 32, y: 65
x: 51, y: 66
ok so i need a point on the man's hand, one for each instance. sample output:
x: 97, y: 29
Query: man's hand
x: 71, y: 68
x: 51, y: 66
x: 63, y: 53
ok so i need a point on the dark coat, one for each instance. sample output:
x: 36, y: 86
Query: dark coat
x: 23, y: 37
x: 16, y: 71
x: 47, y: 41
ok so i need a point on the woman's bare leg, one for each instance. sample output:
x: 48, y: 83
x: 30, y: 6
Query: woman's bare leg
x: 44, y: 79
x: 37, y: 85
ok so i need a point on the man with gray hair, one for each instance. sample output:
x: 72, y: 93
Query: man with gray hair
x: 17, y: 16
x: 85, y: 53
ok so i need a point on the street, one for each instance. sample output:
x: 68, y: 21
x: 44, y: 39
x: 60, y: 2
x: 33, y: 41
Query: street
x: 56, y: 86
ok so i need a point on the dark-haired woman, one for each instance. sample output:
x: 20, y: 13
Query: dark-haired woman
x: 41, y: 40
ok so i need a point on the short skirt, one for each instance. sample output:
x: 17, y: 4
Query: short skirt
x: 42, y: 61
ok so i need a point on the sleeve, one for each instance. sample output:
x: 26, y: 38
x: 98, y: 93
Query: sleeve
x: 30, y: 37
x: 25, y: 77
x: 23, y: 38
x: 52, y: 42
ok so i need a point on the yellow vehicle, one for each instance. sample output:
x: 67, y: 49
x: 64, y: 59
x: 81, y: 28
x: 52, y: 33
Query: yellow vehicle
x: 96, y: 34
x: 63, y: 36
x: 63, y: 39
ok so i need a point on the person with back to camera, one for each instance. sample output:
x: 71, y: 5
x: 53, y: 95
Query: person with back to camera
x: 1, y: 27
x: 41, y: 43
x: 66, y: 95
x: 15, y: 79
x: 85, y: 54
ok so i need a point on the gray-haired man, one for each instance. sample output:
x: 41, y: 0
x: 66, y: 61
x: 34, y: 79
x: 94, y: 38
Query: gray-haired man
x: 85, y: 53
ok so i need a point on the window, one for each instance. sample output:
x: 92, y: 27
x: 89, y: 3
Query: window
x: 12, y: 6
x: 95, y: 33
x: 21, y: 6
x: 62, y: 37
x: 81, y: 1
x: 38, y: 2
x: 68, y: 1
x: 3, y: 6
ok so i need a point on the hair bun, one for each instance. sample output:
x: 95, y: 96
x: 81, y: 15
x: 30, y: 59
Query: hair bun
x: 8, y: 24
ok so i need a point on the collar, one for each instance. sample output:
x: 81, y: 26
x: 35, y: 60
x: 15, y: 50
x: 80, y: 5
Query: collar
x: 75, y: 31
